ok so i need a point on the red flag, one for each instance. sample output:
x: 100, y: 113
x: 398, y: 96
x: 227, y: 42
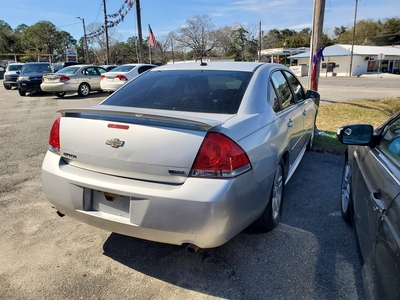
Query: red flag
x: 152, y: 38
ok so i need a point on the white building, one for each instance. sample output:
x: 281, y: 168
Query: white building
x: 337, y: 58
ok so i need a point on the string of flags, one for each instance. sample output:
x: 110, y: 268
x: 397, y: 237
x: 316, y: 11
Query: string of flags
x: 120, y: 14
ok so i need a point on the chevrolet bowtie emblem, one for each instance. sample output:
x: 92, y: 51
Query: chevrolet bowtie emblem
x: 115, y: 143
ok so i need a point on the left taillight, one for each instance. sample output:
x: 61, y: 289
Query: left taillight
x: 54, y: 137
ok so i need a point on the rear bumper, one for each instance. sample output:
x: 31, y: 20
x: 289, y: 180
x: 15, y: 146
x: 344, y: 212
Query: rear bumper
x: 110, y: 86
x: 204, y: 212
x: 59, y: 87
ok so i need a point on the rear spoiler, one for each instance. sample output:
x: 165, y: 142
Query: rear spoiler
x: 141, y: 116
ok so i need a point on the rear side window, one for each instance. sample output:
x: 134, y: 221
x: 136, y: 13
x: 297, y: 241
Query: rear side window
x: 184, y: 90
x: 144, y: 69
x: 273, y: 98
x: 297, y: 87
x: 283, y: 89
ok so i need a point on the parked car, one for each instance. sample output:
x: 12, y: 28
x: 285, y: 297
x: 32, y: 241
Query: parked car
x: 31, y: 76
x: 370, y: 200
x: 2, y: 70
x: 81, y: 79
x: 113, y: 80
x: 183, y: 154
x: 11, y: 75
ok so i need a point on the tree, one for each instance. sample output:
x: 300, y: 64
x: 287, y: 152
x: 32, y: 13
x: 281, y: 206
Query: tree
x: 43, y: 37
x: 391, y: 31
x: 196, y: 35
x: 98, y: 43
x: 222, y: 39
x: 161, y: 53
x: 242, y: 47
x: 6, y: 37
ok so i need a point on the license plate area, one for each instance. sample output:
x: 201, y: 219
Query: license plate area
x: 109, y: 203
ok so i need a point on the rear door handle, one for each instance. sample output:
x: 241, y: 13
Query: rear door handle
x: 377, y: 202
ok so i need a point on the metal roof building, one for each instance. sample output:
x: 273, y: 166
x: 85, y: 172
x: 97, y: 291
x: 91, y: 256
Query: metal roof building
x: 366, y: 59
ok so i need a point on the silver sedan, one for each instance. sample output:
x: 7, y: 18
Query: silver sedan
x: 81, y: 79
x: 186, y: 154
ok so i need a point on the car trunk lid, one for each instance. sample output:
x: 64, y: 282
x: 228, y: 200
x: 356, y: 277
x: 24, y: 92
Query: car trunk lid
x: 133, y: 143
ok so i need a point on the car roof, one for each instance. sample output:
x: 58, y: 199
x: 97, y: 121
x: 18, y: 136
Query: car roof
x: 221, y: 66
x: 37, y: 63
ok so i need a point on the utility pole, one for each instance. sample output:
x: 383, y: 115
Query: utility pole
x: 140, y: 39
x: 316, y: 44
x: 106, y: 29
x: 87, y: 59
x: 352, y: 42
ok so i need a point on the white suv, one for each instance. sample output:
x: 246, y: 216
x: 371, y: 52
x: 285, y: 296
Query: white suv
x: 11, y: 75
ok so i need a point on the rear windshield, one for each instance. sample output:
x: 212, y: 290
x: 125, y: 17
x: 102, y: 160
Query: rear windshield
x: 185, y: 90
x: 68, y: 70
x: 123, y: 68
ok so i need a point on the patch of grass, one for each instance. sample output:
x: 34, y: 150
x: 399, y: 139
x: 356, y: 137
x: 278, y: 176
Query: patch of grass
x: 332, y: 116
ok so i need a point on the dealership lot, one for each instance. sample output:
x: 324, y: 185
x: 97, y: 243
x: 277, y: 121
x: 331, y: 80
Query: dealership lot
x: 311, y: 255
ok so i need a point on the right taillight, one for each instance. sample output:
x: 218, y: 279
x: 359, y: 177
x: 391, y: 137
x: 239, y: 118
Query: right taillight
x: 220, y: 157
x: 54, y: 138
x: 121, y: 77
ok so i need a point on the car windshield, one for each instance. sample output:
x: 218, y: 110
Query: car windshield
x: 68, y: 70
x: 14, y: 67
x: 123, y: 68
x: 185, y: 90
x: 39, y: 68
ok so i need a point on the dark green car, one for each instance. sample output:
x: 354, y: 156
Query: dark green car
x: 370, y: 201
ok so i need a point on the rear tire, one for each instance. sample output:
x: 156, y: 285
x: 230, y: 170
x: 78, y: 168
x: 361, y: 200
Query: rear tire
x: 84, y: 89
x: 21, y: 93
x: 311, y: 140
x: 271, y: 216
x: 346, y: 203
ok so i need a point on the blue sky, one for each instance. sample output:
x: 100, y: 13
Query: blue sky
x: 165, y: 16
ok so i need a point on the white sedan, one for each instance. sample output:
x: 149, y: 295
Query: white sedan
x: 120, y: 75
x: 186, y: 154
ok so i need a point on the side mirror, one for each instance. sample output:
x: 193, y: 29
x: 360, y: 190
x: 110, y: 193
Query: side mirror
x: 313, y: 95
x: 358, y: 134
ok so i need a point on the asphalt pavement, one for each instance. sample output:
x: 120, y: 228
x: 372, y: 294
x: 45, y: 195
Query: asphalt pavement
x: 311, y: 255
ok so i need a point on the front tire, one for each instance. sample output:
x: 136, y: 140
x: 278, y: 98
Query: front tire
x: 271, y: 216
x: 21, y: 93
x: 7, y: 87
x: 346, y: 203
x: 84, y: 89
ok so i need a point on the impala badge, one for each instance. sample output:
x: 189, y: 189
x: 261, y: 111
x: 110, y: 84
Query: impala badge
x: 115, y: 143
